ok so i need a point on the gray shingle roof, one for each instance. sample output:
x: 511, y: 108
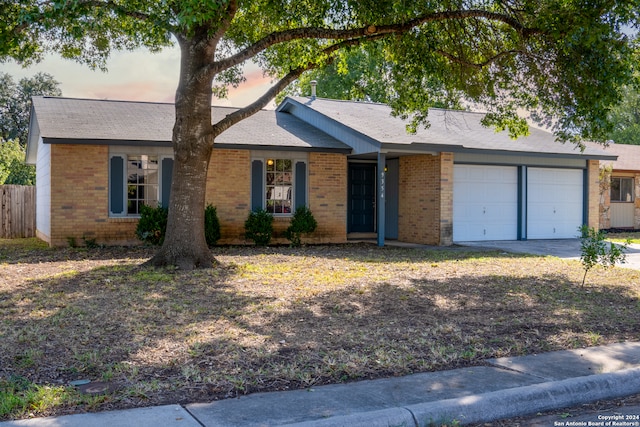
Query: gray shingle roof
x: 628, y: 157
x: 146, y: 122
x: 458, y: 129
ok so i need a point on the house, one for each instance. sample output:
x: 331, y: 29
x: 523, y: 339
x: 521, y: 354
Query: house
x: 352, y: 163
x: 620, y: 188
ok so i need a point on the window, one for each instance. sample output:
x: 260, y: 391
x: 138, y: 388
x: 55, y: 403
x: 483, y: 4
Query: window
x: 136, y: 180
x: 279, y: 183
x: 621, y: 189
x: 142, y: 182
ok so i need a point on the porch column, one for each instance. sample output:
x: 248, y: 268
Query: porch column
x: 381, y: 199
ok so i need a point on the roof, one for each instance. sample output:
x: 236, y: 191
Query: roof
x: 89, y: 121
x: 628, y: 156
x: 454, y: 130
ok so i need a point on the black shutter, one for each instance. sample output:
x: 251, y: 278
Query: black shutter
x: 167, y: 177
x: 257, y: 195
x: 116, y: 185
x: 301, y: 184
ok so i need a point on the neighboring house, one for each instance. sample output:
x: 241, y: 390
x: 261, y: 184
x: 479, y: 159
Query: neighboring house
x: 620, y: 188
x: 352, y: 163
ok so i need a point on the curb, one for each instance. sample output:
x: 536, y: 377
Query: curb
x: 496, y: 405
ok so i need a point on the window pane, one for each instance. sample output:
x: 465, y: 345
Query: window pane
x: 279, y: 180
x: 622, y: 189
x: 615, y: 189
x: 626, y: 190
x: 271, y: 205
x: 142, y: 182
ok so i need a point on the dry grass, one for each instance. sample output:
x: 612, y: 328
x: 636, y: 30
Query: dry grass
x: 280, y: 318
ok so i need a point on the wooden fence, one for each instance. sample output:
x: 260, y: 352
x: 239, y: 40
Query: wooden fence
x: 17, y: 211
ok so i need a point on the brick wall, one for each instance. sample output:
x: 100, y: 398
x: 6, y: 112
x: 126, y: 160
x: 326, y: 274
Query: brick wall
x: 426, y: 199
x: 593, y: 177
x: 328, y: 196
x: 446, y: 199
x: 79, y: 197
x: 80, y: 191
x: 229, y: 190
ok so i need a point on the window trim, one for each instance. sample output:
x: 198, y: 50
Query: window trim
x: 633, y: 196
x: 125, y: 155
x: 295, y: 158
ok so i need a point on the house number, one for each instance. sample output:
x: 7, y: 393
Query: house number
x: 382, y: 185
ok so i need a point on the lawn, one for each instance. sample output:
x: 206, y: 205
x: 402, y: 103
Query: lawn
x: 623, y: 237
x: 279, y: 318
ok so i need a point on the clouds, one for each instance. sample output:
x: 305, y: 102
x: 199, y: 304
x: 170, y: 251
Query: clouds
x: 135, y: 76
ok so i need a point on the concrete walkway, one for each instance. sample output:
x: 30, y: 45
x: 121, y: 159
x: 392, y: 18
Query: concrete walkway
x: 502, y: 388
x: 564, y: 248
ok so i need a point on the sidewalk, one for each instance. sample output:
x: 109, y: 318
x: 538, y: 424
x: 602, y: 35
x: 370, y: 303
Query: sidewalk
x: 503, y: 388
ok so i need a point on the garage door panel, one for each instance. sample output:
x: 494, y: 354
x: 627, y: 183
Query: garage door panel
x: 554, y: 203
x: 485, y: 203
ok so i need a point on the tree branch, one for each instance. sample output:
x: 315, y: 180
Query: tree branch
x: 362, y: 32
x: 478, y: 65
x: 292, y: 75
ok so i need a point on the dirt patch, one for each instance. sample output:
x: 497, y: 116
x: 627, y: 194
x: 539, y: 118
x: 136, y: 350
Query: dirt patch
x: 280, y: 318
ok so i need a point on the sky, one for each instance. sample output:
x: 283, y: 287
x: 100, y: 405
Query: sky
x: 133, y: 76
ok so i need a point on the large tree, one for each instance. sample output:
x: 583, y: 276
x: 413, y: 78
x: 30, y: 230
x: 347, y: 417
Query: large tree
x: 563, y: 59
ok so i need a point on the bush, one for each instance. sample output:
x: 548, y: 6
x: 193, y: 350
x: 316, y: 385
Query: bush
x: 595, y: 250
x: 152, y: 224
x: 259, y: 227
x: 211, y: 225
x: 302, y: 222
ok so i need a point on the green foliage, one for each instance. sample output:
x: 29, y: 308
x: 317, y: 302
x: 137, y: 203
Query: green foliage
x: 259, y: 227
x: 152, y: 225
x: 13, y: 169
x: 18, y: 396
x: 302, y: 222
x: 15, y: 103
x: 211, y: 225
x: 595, y: 250
x: 626, y: 118
x: 564, y: 61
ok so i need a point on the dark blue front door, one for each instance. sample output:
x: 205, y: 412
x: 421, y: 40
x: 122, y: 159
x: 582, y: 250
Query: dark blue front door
x: 362, y: 198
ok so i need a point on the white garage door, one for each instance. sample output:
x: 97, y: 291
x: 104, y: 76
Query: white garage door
x: 485, y: 203
x: 554, y: 203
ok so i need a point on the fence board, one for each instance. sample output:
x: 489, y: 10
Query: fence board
x: 17, y: 211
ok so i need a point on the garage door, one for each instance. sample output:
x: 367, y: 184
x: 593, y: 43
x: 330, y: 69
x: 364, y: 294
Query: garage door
x: 554, y: 203
x: 485, y: 203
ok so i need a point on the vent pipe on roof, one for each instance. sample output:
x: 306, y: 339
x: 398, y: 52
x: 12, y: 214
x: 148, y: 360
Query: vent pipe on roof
x: 313, y: 89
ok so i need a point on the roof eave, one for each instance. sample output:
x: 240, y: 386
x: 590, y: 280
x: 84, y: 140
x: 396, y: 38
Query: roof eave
x: 425, y: 147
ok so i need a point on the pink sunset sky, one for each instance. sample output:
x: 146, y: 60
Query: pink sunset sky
x: 134, y: 76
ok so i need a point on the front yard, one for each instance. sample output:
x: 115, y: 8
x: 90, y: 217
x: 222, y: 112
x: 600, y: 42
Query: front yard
x: 281, y: 318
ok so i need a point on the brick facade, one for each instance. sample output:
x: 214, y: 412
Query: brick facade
x: 426, y: 199
x: 229, y: 190
x: 328, y: 196
x: 593, y: 205
x: 80, y: 197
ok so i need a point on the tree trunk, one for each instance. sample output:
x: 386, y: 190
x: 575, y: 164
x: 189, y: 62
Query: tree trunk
x: 184, y: 245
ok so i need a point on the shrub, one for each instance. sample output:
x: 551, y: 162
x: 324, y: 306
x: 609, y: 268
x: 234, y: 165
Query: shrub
x: 259, y: 227
x: 595, y: 250
x: 152, y: 224
x: 211, y: 225
x: 302, y: 222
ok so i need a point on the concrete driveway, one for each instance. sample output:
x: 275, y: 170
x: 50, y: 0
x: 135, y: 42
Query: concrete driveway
x: 564, y: 248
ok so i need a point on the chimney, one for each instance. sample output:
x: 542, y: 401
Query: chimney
x: 313, y: 89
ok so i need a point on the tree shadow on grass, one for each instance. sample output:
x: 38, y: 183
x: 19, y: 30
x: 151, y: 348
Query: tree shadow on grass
x: 166, y: 336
